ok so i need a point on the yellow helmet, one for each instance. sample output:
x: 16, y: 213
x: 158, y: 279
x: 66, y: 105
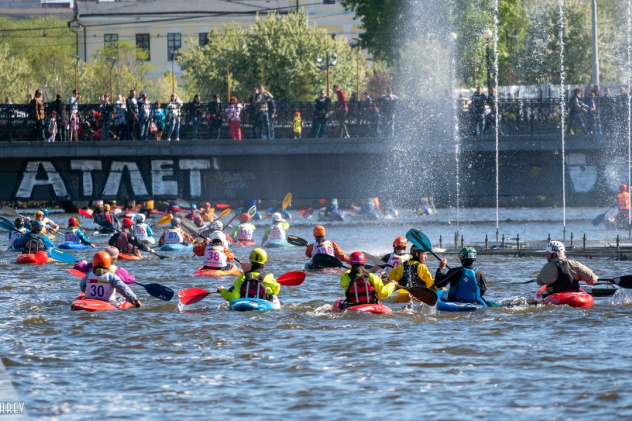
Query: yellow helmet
x: 107, y: 207
x: 258, y: 256
x: 39, y: 213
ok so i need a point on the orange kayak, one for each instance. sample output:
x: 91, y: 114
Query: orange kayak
x: 234, y: 270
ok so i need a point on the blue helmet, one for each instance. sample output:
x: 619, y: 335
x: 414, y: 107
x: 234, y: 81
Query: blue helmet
x: 45, y: 211
x: 194, y: 206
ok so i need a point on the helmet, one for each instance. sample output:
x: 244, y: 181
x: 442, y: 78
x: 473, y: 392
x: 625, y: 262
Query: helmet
x: 319, y: 231
x: 112, y: 251
x: 107, y: 207
x: 276, y: 217
x: 400, y: 242
x: 140, y: 218
x: 216, y: 235
x: 258, y: 256
x: 194, y: 206
x: 19, y: 222
x: 101, y: 260
x: 127, y: 222
x: 414, y: 249
x: 176, y: 221
x: 623, y: 187
x: 468, y: 253
x: 39, y: 213
x: 72, y: 222
x: 556, y: 247
x: 217, y: 225
x: 207, y: 206
x: 244, y: 217
x: 357, y: 258
x: 45, y: 211
x: 37, y: 226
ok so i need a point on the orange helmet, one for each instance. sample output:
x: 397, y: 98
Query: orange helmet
x: 319, y: 231
x: 400, y: 242
x: 101, y: 260
x: 244, y: 217
x: 72, y: 221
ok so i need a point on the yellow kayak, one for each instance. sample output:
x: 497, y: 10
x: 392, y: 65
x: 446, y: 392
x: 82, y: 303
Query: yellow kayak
x: 400, y: 296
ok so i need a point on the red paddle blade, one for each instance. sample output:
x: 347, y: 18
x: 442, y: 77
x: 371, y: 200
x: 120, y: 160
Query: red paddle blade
x: 292, y: 279
x: 221, y: 205
x: 84, y: 213
x: 76, y: 272
x: 41, y: 257
x: 192, y: 295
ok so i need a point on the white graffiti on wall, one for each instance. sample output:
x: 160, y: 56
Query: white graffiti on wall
x: 583, y: 176
x: 86, y: 166
x: 160, y: 186
x: 195, y: 176
x: 113, y: 182
x: 234, y: 181
x: 30, y: 181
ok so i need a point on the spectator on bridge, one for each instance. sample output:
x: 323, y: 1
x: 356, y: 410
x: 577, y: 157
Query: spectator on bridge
x: 597, y: 91
x: 272, y: 113
x: 234, y: 112
x: 158, y: 117
x: 607, y: 111
x: 367, y: 97
x: 174, y: 109
x: 62, y: 117
x: 195, y: 112
x: 144, y: 116
x: 592, y: 116
x: 297, y: 125
x: 622, y: 111
x: 341, y: 111
x: 51, y: 127
x: 490, y: 119
x: 120, y: 123
x: 74, y: 122
x: 387, y: 104
x: 374, y: 120
x: 131, y: 116
x: 260, y: 104
x: 319, y: 121
x: 577, y: 109
x: 215, y: 108
x: 106, y: 115
x: 477, y: 109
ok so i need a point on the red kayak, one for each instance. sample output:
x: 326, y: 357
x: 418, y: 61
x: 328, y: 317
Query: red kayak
x: 573, y: 299
x: 38, y: 258
x: 245, y: 243
x: 124, y: 256
x: 88, y: 304
x: 337, y: 307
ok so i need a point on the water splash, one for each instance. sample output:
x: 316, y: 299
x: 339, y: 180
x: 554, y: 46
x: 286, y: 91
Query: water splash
x: 562, y: 113
x: 495, y: 35
x: 629, y: 83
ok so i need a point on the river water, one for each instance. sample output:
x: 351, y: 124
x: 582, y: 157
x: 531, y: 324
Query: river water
x: 304, y: 362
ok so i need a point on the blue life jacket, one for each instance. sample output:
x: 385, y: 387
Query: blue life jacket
x: 466, y: 290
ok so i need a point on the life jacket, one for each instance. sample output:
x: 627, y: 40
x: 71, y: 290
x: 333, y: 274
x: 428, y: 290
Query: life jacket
x: 140, y: 231
x: 245, y: 232
x: 99, y: 287
x: 215, y: 257
x: 14, y: 235
x: 410, y: 277
x: 174, y: 236
x: 254, y: 287
x: 360, y: 290
x: 395, y: 260
x: 122, y: 243
x: 565, y: 281
x: 70, y: 235
x: 624, y: 198
x: 276, y: 233
x: 324, y: 248
x: 34, y: 244
x: 467, y: 289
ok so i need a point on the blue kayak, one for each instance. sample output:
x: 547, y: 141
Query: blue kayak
x: 276, y: 243
x: 176, y: 247
x: 69, y: 245
x: 249, y: 304
x: 444, y: 305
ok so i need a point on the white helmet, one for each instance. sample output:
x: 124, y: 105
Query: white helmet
x: 140, y: 218
x: 276, y: 217
x: 217, y: 225
x: 217, y: 235
x: 556, y: 247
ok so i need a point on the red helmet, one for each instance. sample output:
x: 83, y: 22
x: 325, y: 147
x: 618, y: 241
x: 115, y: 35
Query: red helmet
x: 623, y: 187
x: 101, y: 259
x: 207, y: 206
x: 127, y: 222
x: 400, y: 242
x: 244, y: 217
x: 72, y: 221
x: 357, y: 258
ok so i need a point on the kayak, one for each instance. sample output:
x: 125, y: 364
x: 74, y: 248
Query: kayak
x: 400, y: 296
x: 310, y: 268
x: 249, y: 304
x: 88, y: 304
x: 337, y: 307
x: 444, y: 305
x: 101, y: 234
x: 234, y: 270
x: 331, y: 216
x: 276, y: 243
x: 149, y: 240
x: 156, y: 212
x: 573, y: 299
x: 123, y: 256
x: 69, y: 245
x: 245, y: 243
x: 177, y: 247
x: 29, y: 259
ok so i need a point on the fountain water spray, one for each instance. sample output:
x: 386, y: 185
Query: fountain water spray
x: 562, y: 112
x: 495, y: 34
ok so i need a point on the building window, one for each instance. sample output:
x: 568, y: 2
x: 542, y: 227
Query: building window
x: 174, y: 43
x: 110, y: 40
x: 203, y: 39
x: 142, y: 42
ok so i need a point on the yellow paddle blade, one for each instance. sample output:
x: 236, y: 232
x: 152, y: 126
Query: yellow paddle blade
x: 286, y: 200
x: 224, y: 213
x: 210, y: 212
x: 164, y: 220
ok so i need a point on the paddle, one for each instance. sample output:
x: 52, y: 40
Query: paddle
x: 223, y: 214
x: 183, y: 203
x: 6, y: 224
x: 107, y: 224
x: 164, y: 220
x: 222, y: 205
x: 420, y: 239
x: 297, y: 241
x: 374, y: 260
x: 423, y: 294
x: 286, y: 201
x: 251, y: 213
x: 155, y: 290
x: 292, y: 279
x: 327, y: 261
x: 622, y: 281
x: 62, y: 256
x: 10, y: 211
x: 599, y: 219
x: 85, y: 213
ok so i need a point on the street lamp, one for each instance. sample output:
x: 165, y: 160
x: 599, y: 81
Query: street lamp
x: 356, y: 44
x: 174, y: 57
x: 229, y: 53
x: 328, y: 64
x: 487, y: 34
x: 595, y: 66
x: 76, y: 57
x: 113, y: 60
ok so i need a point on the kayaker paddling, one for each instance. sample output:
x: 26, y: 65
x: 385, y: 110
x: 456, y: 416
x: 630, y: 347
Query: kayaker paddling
x: 74, y: 234
x: 254, y: 283
x: 35, y: 240
x: 276, y: 232
x: 394, y: 259
x: 175, y: 235
x: 216, y: 256
x: 125, y: 276
x: 243, y: 232
x: 560, y: 274
x: 324, y: 246
x: 413, y: 272
x: 362, y: 287
x: 126, y: 242
x: 466, y: 283
x: 101, y: 284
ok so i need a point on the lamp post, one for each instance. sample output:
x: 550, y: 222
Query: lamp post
x: 487, y: 34
x: 595, y: 55
x: 356, y: 44
x: 173, y: 73
x: 451, y: 39
x: 112, y: 60
x: 76, y: 57
x: 328, y: 64
x: 228, y: 54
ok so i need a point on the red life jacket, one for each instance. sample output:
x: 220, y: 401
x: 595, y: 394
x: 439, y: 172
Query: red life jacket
x: 360, y: 290
x: 253, y: 287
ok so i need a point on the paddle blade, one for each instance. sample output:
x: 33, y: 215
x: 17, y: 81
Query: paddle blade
x: 423, y: 294
x: 189, y: 226
x: 325, y: 260
x: 252, y: 211
x: 164, y: 220
x: 6, y: 224
x: 9, y: 211
x: 76, y: 272
x: 41, y: 257
x: 419, y: 239
x: 62, y: 256
x: 599, y: 219
x: 183, y: 203
x: 192, y: 295
x: 374, y: 260
x: 159, y: 291
x: 286, y: 200
x: 224, y: 213
x: 292, y: 279
x: 85, y: 214
x: 296, y: 241
x: 622, y: 281
x: 222, y: 205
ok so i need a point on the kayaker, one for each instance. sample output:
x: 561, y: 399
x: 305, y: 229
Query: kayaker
x: 35, y: 240
x: 462, y: 289
x: 623, y: 202
x: 216, y: 256
x: 277, y: 230
x: 126, y: 242
x: 394, y: 259
x: 101, y: 284
x: 324, y: 246
x: 20, y: 230
x: 175, y: 235
x: 41, y: 215
x: 207, y: 213
x: 413, y: 272
x: 254, y: 283
x: 100, y: 216
x: 217, y: 227
x: 560, y: 274
x: 143, y: 231
x: 125, y: 276
x: 74, y: 234
x: 362, y: 287
x: 243, y: 231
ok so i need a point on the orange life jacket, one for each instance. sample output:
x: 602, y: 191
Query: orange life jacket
x: 624, y: 201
